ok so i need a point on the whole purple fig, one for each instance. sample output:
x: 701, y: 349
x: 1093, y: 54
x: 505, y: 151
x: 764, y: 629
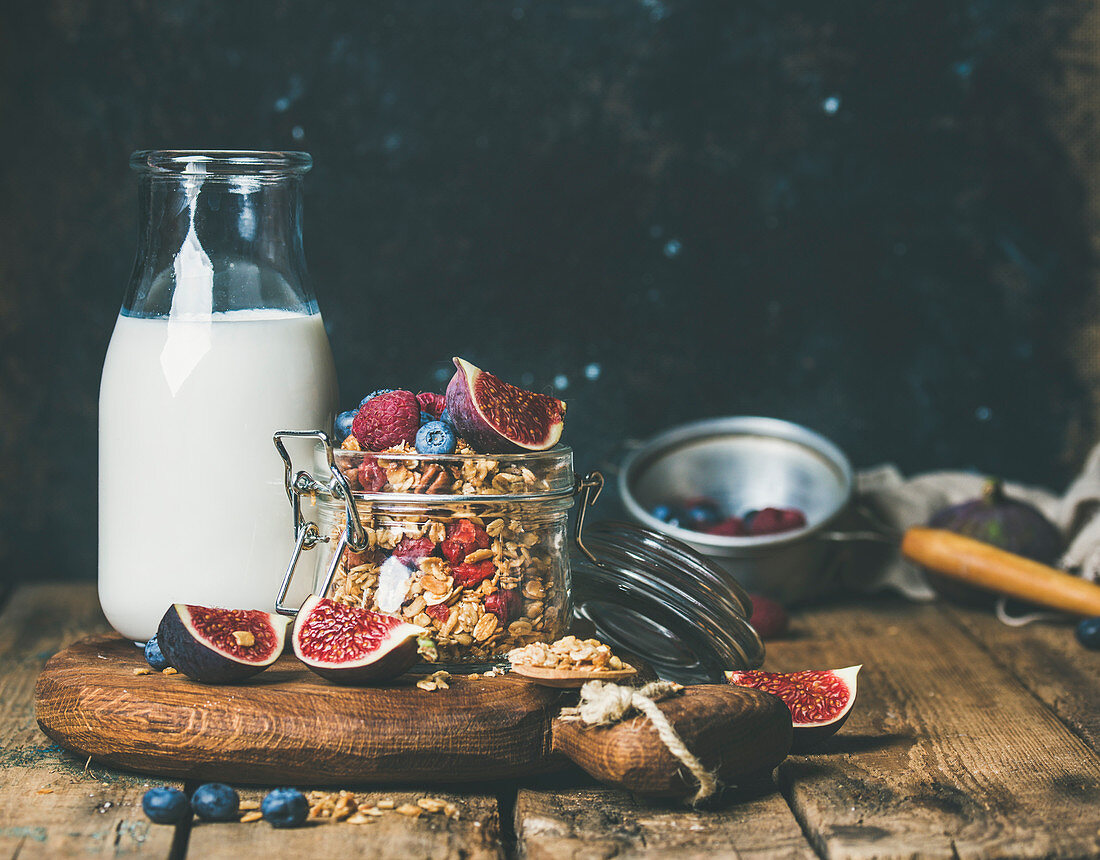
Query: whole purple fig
x: 1006, y: 523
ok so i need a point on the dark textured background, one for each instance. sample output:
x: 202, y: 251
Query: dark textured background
x: 852, y: 215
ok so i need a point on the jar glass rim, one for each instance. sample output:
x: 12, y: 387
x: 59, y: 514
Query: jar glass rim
x: 224, y: 162
x: 562, y: 453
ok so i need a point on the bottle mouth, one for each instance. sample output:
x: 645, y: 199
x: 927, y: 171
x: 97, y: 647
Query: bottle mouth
x: 220, y: 162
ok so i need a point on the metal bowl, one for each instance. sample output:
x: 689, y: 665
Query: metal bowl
x: 746, y: 463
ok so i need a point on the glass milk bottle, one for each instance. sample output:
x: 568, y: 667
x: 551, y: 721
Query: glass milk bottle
x: 219, y: 343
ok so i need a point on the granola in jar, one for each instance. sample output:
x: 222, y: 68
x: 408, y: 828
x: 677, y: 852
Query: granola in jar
x: 469, y: 546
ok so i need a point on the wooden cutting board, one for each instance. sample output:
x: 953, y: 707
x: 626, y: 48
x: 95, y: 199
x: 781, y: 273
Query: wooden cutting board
x: 286, y: 725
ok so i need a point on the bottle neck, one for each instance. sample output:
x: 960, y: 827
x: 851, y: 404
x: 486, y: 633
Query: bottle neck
x: 215, y: 243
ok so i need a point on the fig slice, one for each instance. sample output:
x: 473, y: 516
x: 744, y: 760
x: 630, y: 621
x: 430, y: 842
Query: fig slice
x: 349, y: 645
x: 220, y: 646
x: 819, y: 700
x: 496, y: 417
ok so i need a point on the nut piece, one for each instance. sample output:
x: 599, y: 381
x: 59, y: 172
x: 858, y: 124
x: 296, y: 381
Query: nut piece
x: 249, y: 817
x: 409, y: 810
x: 431, y: 804
x: 144, y: 671
x: 386, y: 803
x: 486, y: 626
x: 244, y: 638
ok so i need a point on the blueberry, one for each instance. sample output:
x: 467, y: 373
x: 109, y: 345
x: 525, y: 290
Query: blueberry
x: 285, y: 807
x: 154, y: 657
x: 662, y: 512
x: 700, y: 513
x: 747, y: 518
x: 380, y: 391
x: 435, y: 437
x: 425, y: 417
x: 343, y: 423
x: 215, y: 801
x: 670, y: 514
x: 445, y: 416
x: 164, y: 805
x: 1088, y: 633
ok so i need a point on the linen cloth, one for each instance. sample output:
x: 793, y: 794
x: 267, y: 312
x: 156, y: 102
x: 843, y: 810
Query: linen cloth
x: 888, y: 502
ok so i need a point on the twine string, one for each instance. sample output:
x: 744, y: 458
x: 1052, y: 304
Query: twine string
x: 603, y: 703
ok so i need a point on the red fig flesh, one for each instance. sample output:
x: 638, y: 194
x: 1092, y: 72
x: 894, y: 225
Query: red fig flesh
x: 496, y: 417
x: 819, y: 701
x: 220, y: 646
x: 349, y: 645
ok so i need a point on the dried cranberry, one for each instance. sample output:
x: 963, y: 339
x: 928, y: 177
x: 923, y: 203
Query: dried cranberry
x: 372, y: 477
x: 411, y: 550
x: 504, y: 604
x: 354, y: 559
x: 440, y: 612
x: 472, y: 574
x: 463, y: 537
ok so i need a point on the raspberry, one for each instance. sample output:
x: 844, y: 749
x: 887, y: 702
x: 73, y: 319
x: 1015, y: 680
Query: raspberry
x: 440, y: 612
x: 431, y: 403
x: 729, y: 527
x: 504, y: 604
x: 768, y: 617
x: 463, y: 537
x: 372, y: 477
x: 472, y: 574
x: 411, y: 550
x: 771, y: 521
x: 387, y: 420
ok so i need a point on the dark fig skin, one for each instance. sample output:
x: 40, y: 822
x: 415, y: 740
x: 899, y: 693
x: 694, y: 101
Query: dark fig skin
x: 395, y: 663
x: 195, y: 659
x: 1004, y: 522
x: 543, y: 412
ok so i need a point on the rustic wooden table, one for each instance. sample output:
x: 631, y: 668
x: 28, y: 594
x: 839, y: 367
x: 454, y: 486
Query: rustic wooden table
x: 969, y: 739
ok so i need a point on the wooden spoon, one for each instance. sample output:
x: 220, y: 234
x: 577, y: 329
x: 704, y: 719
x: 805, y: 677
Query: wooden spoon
x: 570, y: 678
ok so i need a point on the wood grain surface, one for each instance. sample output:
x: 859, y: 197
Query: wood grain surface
x: 51, y: 805
x: 968, y: 739
x: 566, y: 822
x: 288, y: 725
x: 474, y: 835
x: 945, y: 753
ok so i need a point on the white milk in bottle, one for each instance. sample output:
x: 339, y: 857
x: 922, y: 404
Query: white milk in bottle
x: 213, y: 352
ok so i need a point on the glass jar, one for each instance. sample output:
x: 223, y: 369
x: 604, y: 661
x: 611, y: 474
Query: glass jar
x: 218, y: 344
x: 472, y: 547
x: 648, y: 596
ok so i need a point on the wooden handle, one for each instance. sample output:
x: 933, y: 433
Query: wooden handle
x: 985, y: 566
x: 732, y: 730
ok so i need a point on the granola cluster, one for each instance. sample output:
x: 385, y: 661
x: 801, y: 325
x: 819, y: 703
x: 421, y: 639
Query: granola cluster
x: 567, y: 653
x: 463, y: 475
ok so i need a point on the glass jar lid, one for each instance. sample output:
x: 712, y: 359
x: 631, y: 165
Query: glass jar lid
x: 652, y: 596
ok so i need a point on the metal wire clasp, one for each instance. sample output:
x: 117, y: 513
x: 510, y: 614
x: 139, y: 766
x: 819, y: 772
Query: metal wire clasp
x: 589, y: 488
x: 307, y: 535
